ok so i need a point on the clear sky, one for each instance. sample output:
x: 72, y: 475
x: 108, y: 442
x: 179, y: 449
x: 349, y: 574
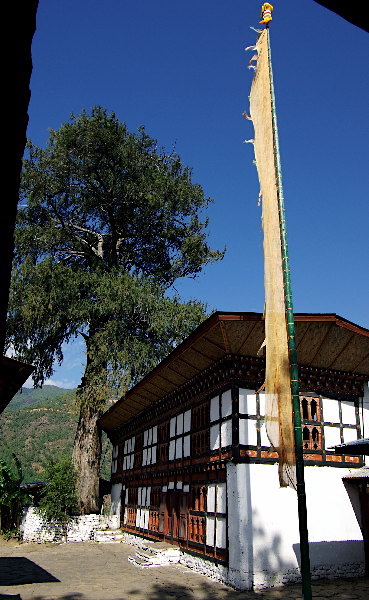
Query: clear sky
x: 180, y: 69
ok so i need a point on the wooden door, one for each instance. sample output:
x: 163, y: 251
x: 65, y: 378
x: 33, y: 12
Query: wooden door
x: 183, y: 511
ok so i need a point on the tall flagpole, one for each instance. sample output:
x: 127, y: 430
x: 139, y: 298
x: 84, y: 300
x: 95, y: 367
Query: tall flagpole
x: 300, y: 478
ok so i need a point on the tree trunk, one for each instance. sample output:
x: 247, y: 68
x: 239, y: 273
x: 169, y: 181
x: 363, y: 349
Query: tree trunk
x: 87, y: 442
x: 86, y: 459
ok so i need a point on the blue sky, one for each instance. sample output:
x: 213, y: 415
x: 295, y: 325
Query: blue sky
x: 180, y: 69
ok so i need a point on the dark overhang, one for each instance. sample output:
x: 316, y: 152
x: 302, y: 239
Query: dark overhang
x: 13, y: 374
x: 355, y: 448
x: 355, y: 11
x: 324, y: 341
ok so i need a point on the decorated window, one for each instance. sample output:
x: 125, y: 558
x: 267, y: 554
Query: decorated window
x: 216, y: 515
x: 129, y: 454
x: 252, y: 430
x: 150, y: 439
x: 114, y: 459
x: 200, y: 438
x: 340, y: 419
x: 163, y: 442
x: 221, y: 421
x: 143, y: 507
x: 180, y: 438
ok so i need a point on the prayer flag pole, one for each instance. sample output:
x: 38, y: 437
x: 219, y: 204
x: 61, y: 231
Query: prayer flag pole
x: 283, y: 417
x: 300, y: 478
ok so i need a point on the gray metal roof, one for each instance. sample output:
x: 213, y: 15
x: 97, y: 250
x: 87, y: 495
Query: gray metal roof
x: 360, y: 447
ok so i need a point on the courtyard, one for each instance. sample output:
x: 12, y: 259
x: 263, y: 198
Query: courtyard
x: 90, y: 571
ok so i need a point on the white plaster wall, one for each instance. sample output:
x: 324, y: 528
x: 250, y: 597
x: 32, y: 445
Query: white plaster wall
x: 332, y: 436
x: 263, y: 526
x: 116, y: 492
x: 349, y: 435
x: 331, y: 411
x: 364, y: 416
x: 348, y: 413
x: 81, y: 529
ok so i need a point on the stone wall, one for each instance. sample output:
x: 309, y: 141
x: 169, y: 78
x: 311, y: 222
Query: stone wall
x: 80, y: 529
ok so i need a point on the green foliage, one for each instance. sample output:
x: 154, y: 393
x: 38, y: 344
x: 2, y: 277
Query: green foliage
x: 12, y: 534
x: 58, y: 503
x: 109, y: 222
x: 48, y: 396
x: 11, y: 496
x: 10, y: 482
x: 42, y: 429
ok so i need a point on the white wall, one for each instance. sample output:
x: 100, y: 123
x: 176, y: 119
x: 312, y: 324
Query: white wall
x: 80, y: 529
x: 263, y: 526
x: 364, y: 416
x: 116, y: 492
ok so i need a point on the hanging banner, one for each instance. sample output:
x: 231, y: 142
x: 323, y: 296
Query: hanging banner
x: 279, y: 415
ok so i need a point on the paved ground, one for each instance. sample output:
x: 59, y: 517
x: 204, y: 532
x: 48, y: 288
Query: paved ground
x: 102, y: 572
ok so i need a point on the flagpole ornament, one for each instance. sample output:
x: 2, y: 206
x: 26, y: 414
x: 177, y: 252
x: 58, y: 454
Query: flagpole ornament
x: 266, y: 13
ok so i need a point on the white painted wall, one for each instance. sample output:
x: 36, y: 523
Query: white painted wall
x: 263, y: 526
x: 80, y: 529
x: 364, y: 416
x: 116, y: 491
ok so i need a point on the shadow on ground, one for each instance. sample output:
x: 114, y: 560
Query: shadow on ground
x: 20, y: 571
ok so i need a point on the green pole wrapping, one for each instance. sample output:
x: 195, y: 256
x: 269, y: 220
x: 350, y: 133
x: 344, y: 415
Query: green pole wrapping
x: 300, y: 479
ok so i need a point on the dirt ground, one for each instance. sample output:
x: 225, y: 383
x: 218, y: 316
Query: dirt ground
x: 89, y: 571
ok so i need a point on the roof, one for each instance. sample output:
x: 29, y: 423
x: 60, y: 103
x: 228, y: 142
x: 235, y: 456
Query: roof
x: 323, y: 340
x: 358, y: 474
x: 13, y: 374
x: 354, y: 448
x: 355, y: 11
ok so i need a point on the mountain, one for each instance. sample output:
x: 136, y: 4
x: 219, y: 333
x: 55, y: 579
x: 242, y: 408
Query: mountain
x: 31, y: 395
x: 39, y: 425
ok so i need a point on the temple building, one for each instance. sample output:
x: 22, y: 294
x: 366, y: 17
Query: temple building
x: 192, y: 464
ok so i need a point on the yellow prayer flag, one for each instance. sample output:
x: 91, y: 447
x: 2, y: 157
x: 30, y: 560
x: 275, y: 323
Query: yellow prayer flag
x: 279, y: 415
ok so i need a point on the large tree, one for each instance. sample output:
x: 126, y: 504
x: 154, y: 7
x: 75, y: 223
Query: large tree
x: 108, y: 223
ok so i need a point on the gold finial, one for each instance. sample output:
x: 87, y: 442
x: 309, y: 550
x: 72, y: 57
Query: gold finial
x: 266, y: 13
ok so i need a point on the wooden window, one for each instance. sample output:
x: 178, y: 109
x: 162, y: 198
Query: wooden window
x: 138, y: 451
x: 143, y: 504
x: 163, y: 442
x: 200, y: 442
x: 128, y: 453
x: 221, y: 419
x: 196, y: 527
x: 179, y: 433
x: 310, y: 408
x: 216, y: 517
x: 149, y: 446
x: 311, y: 415
x: 341, y: 422
x: 312, y: 438
x: 131, y: 507
x: 114, y: 459
x: 200, y: 416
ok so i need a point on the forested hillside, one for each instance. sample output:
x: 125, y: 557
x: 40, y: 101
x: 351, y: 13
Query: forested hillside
x: 39, y: 425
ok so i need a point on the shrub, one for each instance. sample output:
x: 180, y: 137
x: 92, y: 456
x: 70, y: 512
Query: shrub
x: 58, y: 503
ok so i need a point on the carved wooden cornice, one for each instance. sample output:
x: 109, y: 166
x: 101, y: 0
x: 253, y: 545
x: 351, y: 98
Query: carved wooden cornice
x: 247, y: 372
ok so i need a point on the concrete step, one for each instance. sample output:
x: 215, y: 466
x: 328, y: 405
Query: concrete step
x: 109, y: 536
x: 157, y: 558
